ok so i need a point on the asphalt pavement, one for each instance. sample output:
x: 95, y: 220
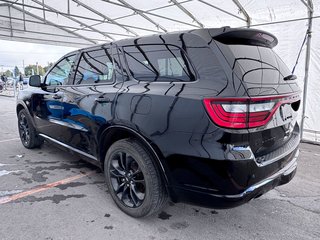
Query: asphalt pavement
x: 50, y: 194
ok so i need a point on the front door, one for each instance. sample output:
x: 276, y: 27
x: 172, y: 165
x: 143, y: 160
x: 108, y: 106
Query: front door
x: 46, y: 102
x: 88, y: 103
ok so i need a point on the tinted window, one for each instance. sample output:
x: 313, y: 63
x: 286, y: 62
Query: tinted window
x: 165, y: 63
x: 119, y: 70
x: 254, y: 64
x: 60, y: 73
x: 95, y: 67
x: 283, y: 67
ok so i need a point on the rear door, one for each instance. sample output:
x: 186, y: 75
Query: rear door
x: 46, y: 102
x: 89, y: 100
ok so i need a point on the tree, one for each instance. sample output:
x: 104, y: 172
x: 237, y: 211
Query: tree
x: 16, y: 71
x: 46, y: 68
x: 28, y: 70
x: 8, y: 73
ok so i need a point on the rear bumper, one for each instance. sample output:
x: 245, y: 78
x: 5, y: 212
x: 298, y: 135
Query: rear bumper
x: 210, y: 199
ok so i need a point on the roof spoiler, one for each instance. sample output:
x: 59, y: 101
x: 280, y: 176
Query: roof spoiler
x: 253, y: 37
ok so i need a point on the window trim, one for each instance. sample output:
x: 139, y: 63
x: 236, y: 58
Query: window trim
x: 93, y: 84
x: 196, y: 76
x: 50, y: 70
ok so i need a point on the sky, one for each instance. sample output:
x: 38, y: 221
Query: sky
x: 13, y: 53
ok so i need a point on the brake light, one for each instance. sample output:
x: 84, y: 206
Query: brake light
x: 243, y: 113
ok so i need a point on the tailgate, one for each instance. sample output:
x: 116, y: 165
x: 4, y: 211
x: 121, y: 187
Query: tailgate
x: 262, y: 73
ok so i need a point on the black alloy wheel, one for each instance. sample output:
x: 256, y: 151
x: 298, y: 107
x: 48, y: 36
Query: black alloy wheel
x: 24, y: 129
x: 133, y: 178
x: 127, y: 179
x: 28, y: 134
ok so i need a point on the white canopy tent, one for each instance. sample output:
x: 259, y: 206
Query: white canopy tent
x: 82, y: 23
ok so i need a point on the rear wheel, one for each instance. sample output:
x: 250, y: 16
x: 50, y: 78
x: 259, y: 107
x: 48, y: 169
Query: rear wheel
x: 133, y: 179
x: 27, y: 131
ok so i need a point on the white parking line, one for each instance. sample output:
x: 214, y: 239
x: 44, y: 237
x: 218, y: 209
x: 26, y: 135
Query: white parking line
x: 9, y: 192
x: 9, y: 140
x: 5, y: 172
x: 8, y: 114
x: 4, y: 164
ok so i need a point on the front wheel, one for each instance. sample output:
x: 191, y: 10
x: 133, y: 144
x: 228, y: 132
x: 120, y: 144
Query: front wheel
x: 27, y: 131
x: 133, y: 179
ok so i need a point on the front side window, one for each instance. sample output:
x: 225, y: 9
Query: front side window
x: 163, y: 63
x: 60, y: 73
x: 95, y: 67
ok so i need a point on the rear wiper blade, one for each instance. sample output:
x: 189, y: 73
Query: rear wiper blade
x: 290, y: 77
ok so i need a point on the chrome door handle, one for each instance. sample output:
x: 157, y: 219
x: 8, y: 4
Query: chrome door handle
x: 56, y: 96
x: 102, y: 100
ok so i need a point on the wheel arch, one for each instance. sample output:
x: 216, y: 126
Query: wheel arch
x: 117, y: 132
x: 22, y: 106
x: 19, y: 107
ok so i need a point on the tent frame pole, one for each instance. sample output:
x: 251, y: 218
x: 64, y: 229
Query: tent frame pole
x: 183, y: 9
x: 139, y: 12
x: 307, y: 64
x: 108, y: 19
x: 64, y: 14
x: 73, y: 19
x: 51, y: 23
x: 243, y: 11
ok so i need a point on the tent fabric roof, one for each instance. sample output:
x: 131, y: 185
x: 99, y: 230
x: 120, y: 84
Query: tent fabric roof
x: 85, y: 22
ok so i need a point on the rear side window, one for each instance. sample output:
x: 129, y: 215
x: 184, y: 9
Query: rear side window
x: 95, y: 67
x: 162, y: 63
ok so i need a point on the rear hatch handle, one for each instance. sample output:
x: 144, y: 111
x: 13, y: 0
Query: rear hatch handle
x: 290, y: 77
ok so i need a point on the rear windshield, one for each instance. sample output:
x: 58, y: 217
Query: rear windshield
x: 162, y: 63
x: 255, y: 64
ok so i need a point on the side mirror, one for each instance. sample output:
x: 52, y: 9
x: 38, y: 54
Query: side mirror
x: 35, y: 81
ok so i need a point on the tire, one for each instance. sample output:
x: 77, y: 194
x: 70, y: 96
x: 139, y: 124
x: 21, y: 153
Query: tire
x: 27, y: 132
x: 130, y: 168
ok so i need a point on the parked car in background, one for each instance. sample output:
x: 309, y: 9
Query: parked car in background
x: 10, y: 82
x: 26, y: 80
x: 2, y: 85
x: 207, y: 116
x: 6, y: 83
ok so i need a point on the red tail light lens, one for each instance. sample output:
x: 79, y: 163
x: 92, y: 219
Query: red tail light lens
x: 243, y: 113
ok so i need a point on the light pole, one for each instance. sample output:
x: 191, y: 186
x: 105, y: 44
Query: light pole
x: 37, y: 68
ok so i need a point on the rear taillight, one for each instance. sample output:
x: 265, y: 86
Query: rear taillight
x: 245, y: 112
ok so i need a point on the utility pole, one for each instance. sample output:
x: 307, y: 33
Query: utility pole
x: 23, y: 71
x: 37, y: 68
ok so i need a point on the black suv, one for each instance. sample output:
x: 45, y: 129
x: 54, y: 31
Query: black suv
x: 205, y: 116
